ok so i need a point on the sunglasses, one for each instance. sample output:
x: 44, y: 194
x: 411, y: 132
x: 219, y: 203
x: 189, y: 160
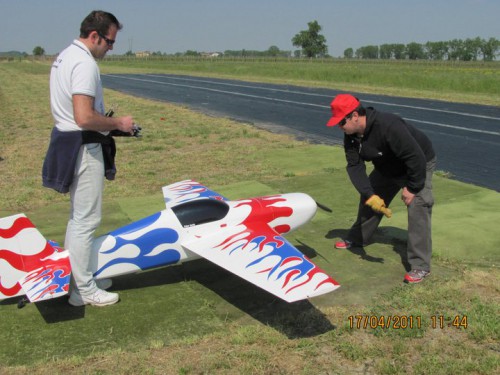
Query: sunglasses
x: 108, y: 41
x: 344, y: 120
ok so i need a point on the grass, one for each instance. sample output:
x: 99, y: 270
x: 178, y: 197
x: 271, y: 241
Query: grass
x: 196, y: 318
x: 473, y: 82
x: 169, y: 141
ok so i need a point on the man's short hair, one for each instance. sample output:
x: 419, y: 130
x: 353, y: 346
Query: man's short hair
x: 99, y: 21
x: 361, y: 110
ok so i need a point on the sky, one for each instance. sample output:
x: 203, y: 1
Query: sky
x: 171, y: 26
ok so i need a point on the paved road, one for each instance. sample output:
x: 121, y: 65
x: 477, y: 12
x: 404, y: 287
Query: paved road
x: 466, y: 137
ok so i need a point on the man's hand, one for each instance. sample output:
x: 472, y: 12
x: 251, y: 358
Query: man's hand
x: 125, y: 124
x: 407, y: 196
x: 377, y: 204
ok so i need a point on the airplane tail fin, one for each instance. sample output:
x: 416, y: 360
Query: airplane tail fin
x: 29, y: 264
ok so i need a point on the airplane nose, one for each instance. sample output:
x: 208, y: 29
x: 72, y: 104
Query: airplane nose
x: 303, y: 208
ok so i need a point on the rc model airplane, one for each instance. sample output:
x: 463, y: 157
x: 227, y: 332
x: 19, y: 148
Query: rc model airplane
x: 242, y: 236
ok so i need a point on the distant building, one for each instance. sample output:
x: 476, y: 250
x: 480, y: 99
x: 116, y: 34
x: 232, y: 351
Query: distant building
x: 210, y: 54
x: 143, y: 54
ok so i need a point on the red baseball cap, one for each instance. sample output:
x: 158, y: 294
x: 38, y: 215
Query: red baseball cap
x: 342, y: 105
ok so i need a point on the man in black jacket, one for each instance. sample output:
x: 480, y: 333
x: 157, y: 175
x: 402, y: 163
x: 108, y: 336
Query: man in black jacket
x: 403, y: 159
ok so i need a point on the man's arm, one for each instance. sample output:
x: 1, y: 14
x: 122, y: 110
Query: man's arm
x: 356, y: 168
x: 88, y: 119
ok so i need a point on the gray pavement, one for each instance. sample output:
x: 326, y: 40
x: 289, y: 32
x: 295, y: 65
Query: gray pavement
x: 466, y: 137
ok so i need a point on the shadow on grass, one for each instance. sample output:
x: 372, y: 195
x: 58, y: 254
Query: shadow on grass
x: 295, y: 320
x: 387, y: 235
x: 53, y: 310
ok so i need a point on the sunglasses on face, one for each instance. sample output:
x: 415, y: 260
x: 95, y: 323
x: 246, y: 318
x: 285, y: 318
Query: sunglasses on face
x: 108, y: 41
x: 344, y: 120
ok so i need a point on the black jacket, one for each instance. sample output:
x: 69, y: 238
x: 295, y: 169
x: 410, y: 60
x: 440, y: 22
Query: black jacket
x: 395, y: 147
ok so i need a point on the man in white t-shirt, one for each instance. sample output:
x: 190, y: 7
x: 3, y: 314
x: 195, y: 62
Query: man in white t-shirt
x: 75, y: 161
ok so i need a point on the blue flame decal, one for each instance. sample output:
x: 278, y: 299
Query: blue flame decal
x: 286, y: 253
x: 48, y: 281
x: 137, y: 225
x: 146, y: 244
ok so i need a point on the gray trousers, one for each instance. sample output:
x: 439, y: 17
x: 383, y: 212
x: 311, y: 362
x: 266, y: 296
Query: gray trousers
x: 419, y: 246
x: 85, y: 216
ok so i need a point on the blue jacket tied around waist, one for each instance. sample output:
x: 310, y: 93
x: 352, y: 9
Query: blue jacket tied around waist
x: 60, y: 160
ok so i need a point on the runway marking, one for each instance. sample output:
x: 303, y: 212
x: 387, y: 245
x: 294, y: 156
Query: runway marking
x: 220, y: 91
x: 305, y: 103
x: 453, y: 126
x: 327, y: 96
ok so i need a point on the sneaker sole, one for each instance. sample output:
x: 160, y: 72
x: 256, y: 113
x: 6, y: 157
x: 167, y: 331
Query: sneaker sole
x: 415, y: 281
x: 104, y: 304
x: 343, y: 246
x: 83, y: 303
x: 78, y: 304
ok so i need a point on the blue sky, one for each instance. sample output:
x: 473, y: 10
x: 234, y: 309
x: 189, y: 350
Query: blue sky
x: 218, y: 25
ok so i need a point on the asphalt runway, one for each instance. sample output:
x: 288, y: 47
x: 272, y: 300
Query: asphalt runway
x: 466, y: 137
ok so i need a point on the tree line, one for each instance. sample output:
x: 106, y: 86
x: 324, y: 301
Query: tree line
x: 456, y: 49
x: 312, y: 44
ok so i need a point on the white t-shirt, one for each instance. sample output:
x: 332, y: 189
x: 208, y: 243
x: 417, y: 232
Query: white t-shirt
x: 74, y: 71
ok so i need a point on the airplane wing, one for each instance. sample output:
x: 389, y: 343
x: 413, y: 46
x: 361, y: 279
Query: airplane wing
x: 187, y: 190
x: 29, y: 264
x: 264, y: 258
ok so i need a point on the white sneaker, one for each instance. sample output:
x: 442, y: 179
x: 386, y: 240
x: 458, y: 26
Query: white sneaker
x: 104, y: 284
x: 99, y: 298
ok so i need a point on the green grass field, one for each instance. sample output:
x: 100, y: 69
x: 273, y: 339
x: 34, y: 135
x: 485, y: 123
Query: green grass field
x: 196, y: 318
x: 472, y: 82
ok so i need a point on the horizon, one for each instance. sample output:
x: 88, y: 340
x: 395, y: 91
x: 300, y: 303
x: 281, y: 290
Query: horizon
x: 220, y: 25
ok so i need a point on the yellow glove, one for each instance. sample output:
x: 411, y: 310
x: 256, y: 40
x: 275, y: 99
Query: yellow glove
x: 377, y: 204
